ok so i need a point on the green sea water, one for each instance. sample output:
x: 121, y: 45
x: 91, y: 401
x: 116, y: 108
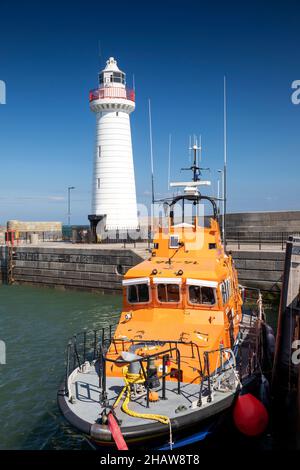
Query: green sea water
x: 35, y: 324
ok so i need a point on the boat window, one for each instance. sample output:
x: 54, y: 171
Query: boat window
x: 202, y: 295
x: 226, y: 290
x: 168, y: 292
x: 138, y: 293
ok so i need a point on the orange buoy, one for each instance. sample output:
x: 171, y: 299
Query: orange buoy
x: 153, y: 396
x: 250, y: 415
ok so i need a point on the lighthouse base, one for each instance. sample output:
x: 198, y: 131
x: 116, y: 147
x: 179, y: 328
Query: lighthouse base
x: 94, y: 220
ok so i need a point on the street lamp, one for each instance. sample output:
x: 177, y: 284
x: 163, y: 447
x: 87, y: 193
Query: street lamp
x: 69, y: 203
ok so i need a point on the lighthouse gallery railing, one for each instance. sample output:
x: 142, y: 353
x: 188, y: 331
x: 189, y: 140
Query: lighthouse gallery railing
x: 112, y: 93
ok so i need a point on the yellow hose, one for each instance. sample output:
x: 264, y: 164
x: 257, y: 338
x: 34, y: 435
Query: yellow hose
x: 136, y: 379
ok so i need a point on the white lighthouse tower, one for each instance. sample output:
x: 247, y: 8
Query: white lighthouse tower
x: 113, y: 195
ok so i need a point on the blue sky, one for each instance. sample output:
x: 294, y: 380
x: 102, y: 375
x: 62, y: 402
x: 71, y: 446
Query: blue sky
x: 179, y: 52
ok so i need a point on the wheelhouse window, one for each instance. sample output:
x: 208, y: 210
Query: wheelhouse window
x: 226, y: 291
x: 138, y: 293
x: 202, y: 295
x: 168, y: 293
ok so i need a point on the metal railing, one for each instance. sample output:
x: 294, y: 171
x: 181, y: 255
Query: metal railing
x: 258, y: 239
x: 82, y: 234
x: 94, y: 345
x: 222, y: 364
x: 125, y: 238
x: 112, y: 93
x: 165, y: 355
x: 85, y: 346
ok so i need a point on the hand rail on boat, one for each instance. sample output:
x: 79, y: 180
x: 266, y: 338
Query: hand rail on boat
x: 146, y: 372
x: 208, y: 376
x: 93, y: 345
x: 84, y: 346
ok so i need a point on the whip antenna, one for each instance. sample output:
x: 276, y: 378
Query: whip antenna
x: 169, y: 163
x: 151, y: 152
x: 225, y: 165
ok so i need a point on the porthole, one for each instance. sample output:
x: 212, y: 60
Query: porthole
x: 120, y: 270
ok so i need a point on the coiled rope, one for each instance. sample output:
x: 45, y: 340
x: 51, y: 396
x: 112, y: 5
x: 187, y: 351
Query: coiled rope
x: 131, y: 379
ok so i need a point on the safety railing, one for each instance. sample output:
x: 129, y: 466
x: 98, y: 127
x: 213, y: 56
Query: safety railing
x: 126, y: 238
x: 94, y: 346
x: 146, y: 371
x: 85, y: 346
x: 223, y: 360
x: 259, y: 240
x: 112, y: 93
x: 252, y: 303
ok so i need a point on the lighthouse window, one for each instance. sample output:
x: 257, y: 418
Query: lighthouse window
x: 118, y: 77
x: 115, y: 77
x: 168, y: 292
x: 99, y: 151
x: 138, y: 293
x: 202, y: 295
x: 98, y: 183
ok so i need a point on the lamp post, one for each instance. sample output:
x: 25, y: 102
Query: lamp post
x: 69, y: 203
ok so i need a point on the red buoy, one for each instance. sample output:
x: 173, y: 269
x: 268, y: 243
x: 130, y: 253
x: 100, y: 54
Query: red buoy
x: 250, y: 415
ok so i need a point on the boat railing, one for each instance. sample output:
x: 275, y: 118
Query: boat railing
x: 94, y: 345
x: 252, y: 303
x: 145, y: 367
x: 99, y: 346
x: 85, y: 346
x: 223, y: 360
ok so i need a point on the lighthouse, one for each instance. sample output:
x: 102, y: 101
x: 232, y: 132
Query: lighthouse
x: 114, y: 205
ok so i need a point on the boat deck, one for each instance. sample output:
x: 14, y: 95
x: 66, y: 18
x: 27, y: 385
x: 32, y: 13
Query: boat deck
x: 85, y: 403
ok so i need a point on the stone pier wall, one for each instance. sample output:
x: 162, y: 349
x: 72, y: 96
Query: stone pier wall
x: 77, y: 268
x: 98, y: 269
x: 261, y: 269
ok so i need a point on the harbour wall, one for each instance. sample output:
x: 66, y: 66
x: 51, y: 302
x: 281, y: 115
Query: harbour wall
x: 261, y: 269
x: 277, y: 221
x: 84, y: 267
x: 77, y: 268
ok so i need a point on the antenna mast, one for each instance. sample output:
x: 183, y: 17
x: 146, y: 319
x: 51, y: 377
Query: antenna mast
x: 195, y: 167
x: 151, y: 152
x: 169, y: 163
x: 225, y: 165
